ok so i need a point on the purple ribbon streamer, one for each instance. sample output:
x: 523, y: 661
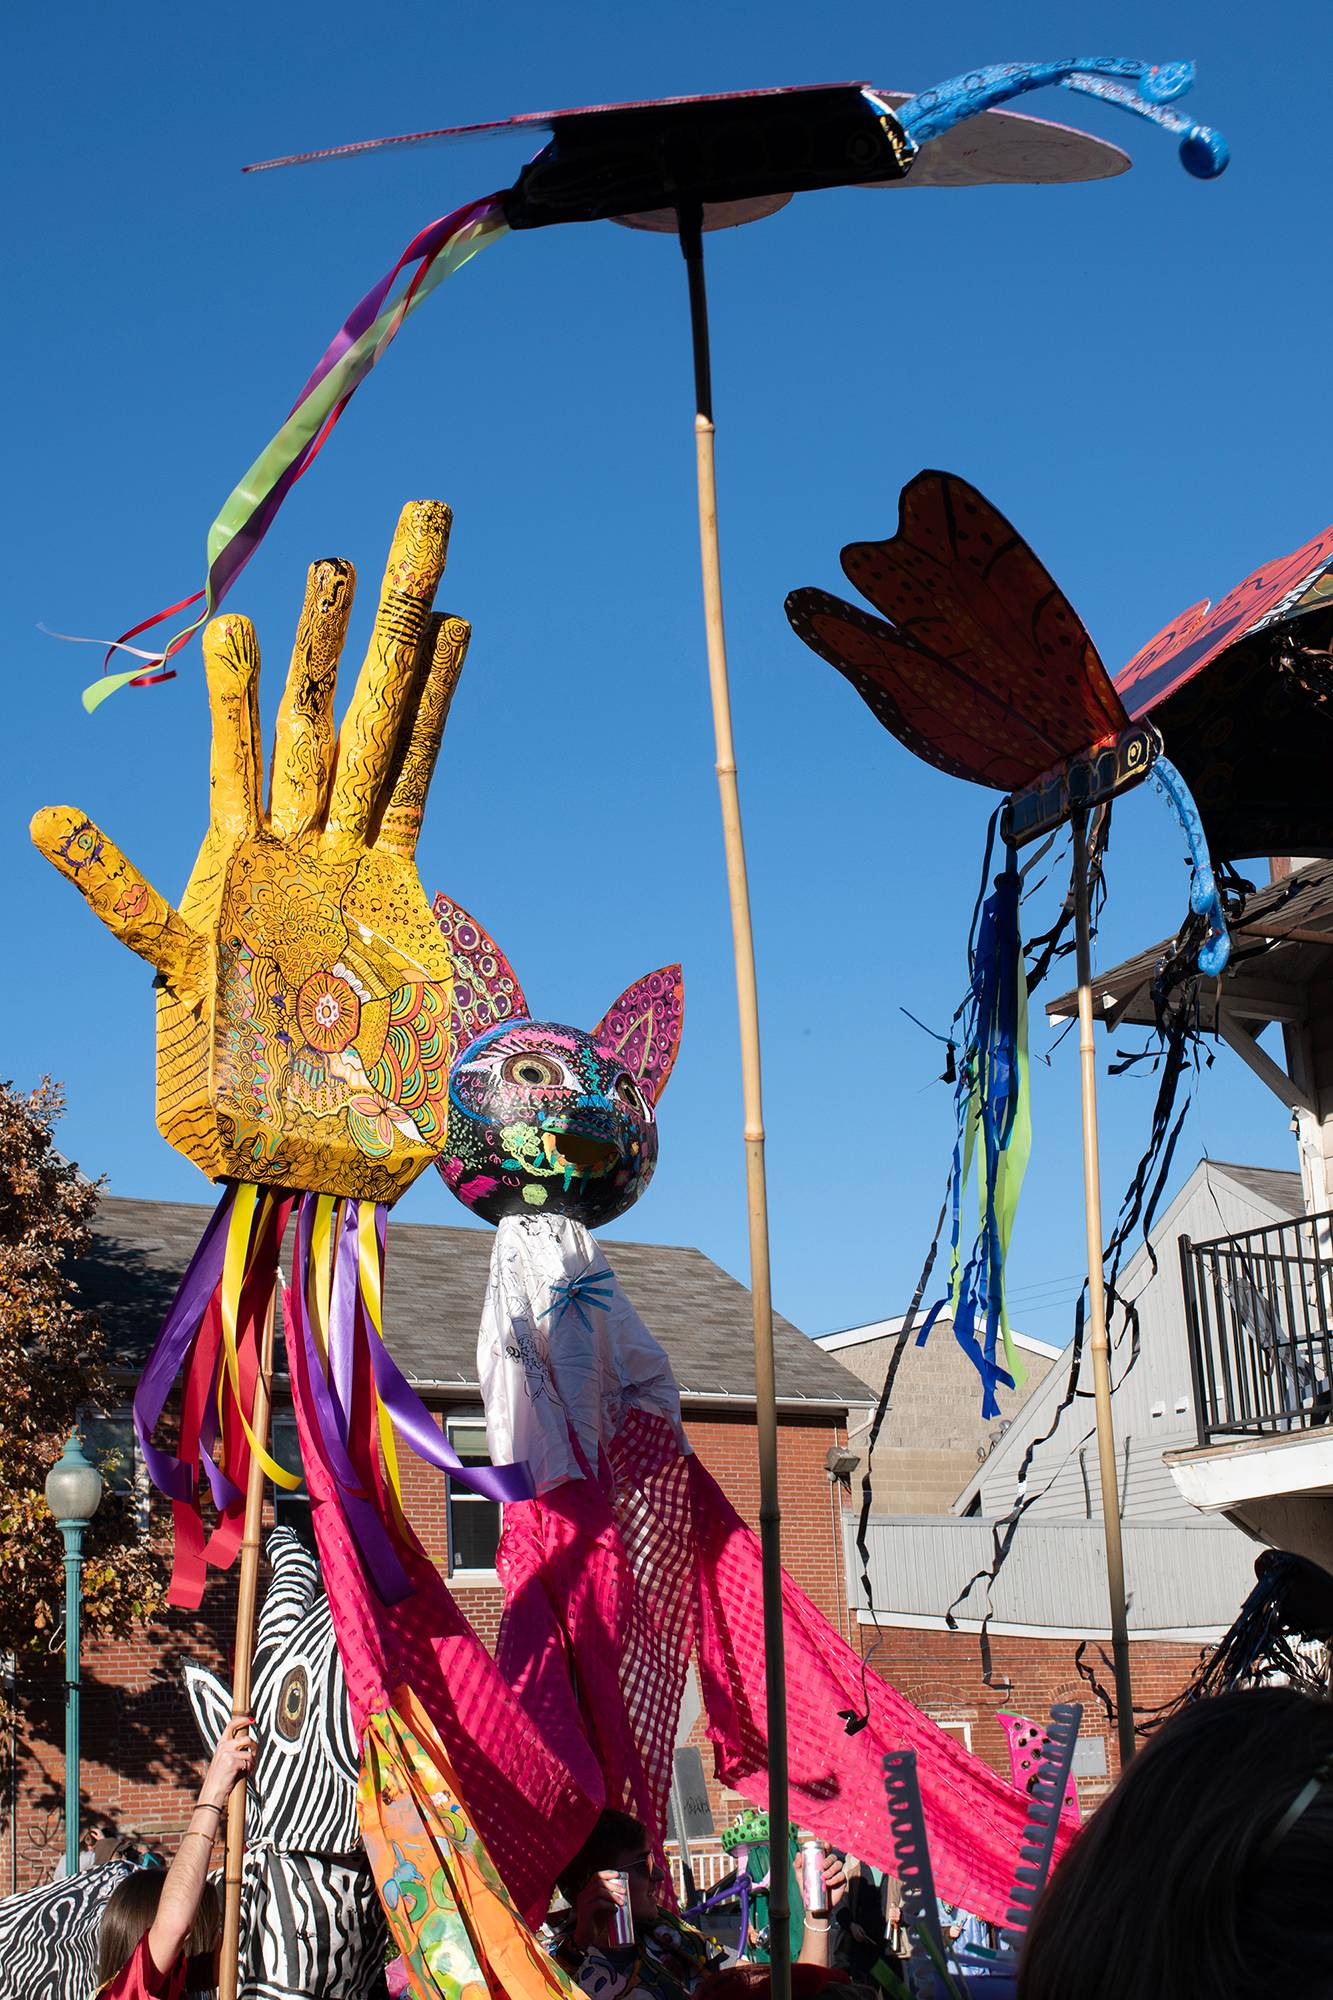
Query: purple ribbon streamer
x: 506, y: 1483
x: 331, y: 1400
x: 379, y: 1557
x: 342, y: 1313
x: 367, y: 311
x: 225, y: 1491
x: 168, y: 1473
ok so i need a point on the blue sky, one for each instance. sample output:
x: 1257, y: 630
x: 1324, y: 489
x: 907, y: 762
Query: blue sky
x: 1129, y: 371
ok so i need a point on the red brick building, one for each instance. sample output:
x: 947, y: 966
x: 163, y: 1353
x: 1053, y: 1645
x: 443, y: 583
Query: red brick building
x: 140, y: 1756
x: 1187, y: 1574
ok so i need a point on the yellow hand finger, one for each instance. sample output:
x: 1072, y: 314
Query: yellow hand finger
x: 127, y: 904
x: 447, y: 640
x: 305, y: 740
x: 369, y: 737
x: 231, y: 657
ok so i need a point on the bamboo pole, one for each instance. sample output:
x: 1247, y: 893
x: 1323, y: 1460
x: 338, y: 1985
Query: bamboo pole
x: 1099, y: 1344
x: 766, y: 1418
x: 246, y: 1598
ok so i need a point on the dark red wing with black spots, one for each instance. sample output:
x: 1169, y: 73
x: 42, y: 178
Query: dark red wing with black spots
x: 918, y: 696
x: 1195, y: 639
x: 984, y: 668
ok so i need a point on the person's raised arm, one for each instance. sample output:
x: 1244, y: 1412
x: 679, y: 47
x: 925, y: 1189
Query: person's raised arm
x: 178, y: 1905
x: 815, y: 1939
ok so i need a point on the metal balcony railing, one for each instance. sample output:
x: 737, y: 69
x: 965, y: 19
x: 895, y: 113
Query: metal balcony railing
x: 1259, y: 1310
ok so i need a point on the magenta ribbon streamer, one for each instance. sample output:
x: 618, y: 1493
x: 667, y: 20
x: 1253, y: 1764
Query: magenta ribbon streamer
x: 168, y: 1473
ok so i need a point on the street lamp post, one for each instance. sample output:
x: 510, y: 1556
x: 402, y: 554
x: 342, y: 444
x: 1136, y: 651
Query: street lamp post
x: 73, y: 1493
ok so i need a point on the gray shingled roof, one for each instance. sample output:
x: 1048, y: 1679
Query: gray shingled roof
x: 434, y: 1284
x: 1272, y: 1184
x: 1293, y: 917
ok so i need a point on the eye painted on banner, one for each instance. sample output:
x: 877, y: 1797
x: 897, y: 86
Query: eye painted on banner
x: 628, y: 1093
x: 292, y: 1699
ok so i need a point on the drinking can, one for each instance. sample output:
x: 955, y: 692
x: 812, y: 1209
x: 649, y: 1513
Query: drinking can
x: 622, y: 1917
x: 812, y: 1877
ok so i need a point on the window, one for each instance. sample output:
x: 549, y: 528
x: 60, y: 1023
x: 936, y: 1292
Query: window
x: 474, y: 1522
x: 962, y: 1730
x: 290, y: 1510
x: 111, y: 1445
x: 109, y: 1441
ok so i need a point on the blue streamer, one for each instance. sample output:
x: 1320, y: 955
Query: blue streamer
x: 1203, y: 152
x: 987, y: 1099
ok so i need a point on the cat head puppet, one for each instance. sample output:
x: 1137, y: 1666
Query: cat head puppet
x: 545, y: 1119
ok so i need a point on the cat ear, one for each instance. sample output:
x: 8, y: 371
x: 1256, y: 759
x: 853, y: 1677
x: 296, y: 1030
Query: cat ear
x: 643, y: 1027
x: 486, y: 989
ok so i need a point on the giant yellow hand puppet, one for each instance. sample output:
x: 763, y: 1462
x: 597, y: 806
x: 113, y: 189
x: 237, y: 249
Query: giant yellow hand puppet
x: 303, y: 985
x: 303, y: 1044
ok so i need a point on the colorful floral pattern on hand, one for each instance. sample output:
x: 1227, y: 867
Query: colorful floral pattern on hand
x: 328, y: 1012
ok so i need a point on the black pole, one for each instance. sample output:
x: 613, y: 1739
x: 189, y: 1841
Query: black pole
x: 689, y: 222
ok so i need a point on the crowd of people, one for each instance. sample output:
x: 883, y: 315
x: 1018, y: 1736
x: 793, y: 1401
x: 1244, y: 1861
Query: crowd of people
x: 1202, y: 1877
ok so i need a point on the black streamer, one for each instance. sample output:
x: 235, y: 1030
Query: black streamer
x: 1138, y: 1209
x: 853, y: 1719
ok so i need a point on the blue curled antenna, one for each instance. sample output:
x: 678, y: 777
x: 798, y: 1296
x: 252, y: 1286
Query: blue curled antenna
x: 1146, y: 89
x: 1204, y: 899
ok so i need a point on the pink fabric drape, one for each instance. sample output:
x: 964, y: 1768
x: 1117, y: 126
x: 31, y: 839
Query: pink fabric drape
x: 610, y: 1585
x: 532, y: 1803
x: 974, y: 1820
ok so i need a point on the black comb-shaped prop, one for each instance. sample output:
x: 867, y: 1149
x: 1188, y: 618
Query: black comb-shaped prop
x: 1045, y: 1799
x: 911, y: 1854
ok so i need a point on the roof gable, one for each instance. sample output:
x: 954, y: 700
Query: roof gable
x: 435, y: 1280
x: 1216, y: 1199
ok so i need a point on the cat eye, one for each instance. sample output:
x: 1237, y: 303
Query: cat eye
x: 627, y: 1090
x: 533, y: 1069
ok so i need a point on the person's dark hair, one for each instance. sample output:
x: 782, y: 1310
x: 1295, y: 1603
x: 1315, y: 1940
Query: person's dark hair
x: 1189, y: 1881
x: 612, y: 1833
x: 755, y: 1982
x: 129, y: 1912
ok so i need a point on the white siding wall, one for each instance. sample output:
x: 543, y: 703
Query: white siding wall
x: 1154, y: 1404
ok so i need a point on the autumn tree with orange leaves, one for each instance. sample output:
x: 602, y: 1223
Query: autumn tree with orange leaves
x: 53, y: 1371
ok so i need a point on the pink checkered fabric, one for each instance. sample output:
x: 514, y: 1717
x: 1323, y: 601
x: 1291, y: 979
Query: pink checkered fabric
x: 598, y: 1623
x: 974, y: 1820
x: 651, y: 1497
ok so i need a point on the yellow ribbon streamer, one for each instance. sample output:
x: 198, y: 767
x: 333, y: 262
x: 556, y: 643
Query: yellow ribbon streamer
x: 235, y: 1268
x: 320, y: 1277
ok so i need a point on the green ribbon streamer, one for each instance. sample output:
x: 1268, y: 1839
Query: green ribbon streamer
x: 307, y: 419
